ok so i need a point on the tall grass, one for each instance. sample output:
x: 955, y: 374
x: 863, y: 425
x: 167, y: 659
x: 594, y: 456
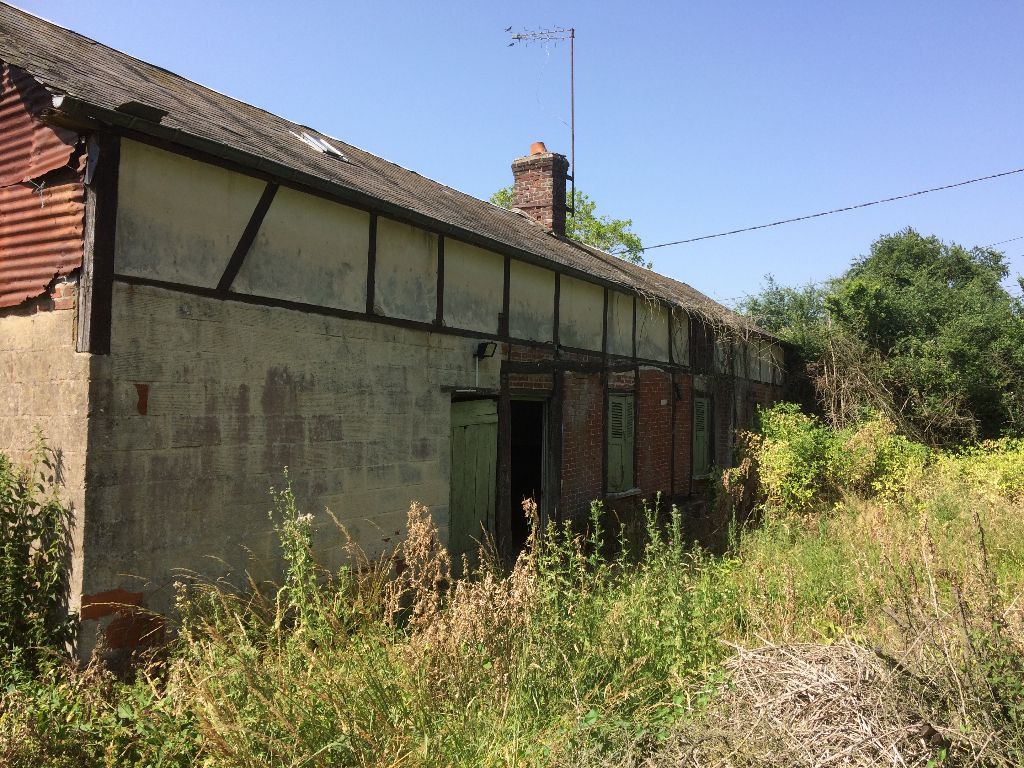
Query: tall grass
x: 577, y: 656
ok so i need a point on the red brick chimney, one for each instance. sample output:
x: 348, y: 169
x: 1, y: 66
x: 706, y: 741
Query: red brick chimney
x: 539, y: 189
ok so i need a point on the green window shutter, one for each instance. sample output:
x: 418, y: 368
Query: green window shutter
x: 620, y: 442
x: 627, y: 442
x: 701, y: 436
x: 616, y: 444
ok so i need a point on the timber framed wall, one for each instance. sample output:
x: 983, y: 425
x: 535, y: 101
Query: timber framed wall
x: 237, y: 324
x: 334, y: 349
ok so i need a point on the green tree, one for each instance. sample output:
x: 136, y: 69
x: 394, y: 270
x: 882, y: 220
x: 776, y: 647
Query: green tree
x: 794, y: 314
x: 919, y: 329
x: 608, y: 234
x: 950, y: 337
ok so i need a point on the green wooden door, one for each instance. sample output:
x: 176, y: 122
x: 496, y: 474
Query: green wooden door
x: 474, y: 458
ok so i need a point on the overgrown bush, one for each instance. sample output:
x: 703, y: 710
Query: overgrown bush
x: 35, y: 549
x: 803, y: 463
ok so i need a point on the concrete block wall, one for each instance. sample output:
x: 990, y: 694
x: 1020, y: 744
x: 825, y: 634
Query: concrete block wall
x: 202, y: 403
x: 45, y: 386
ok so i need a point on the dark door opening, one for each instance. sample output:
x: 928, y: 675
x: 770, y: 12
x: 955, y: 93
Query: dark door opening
x: 527, y: 465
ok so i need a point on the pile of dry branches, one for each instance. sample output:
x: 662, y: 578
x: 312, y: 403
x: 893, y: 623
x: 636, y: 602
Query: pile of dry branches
x: 811, y: 705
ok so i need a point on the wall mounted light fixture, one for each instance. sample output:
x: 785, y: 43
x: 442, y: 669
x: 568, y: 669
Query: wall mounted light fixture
x: 485, y: 349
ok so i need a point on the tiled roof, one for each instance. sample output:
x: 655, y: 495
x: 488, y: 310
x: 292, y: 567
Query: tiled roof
x: 96, y: 80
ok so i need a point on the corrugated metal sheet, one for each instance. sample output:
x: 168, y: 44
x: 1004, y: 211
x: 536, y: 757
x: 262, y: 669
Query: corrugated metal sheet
x: 28, y: 148
x: 40, y: 237
x: 42, y: 220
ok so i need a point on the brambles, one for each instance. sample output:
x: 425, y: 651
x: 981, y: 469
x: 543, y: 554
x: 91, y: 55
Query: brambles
x: 35, y: 549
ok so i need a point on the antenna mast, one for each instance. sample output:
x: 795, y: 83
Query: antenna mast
x: 556, y: 35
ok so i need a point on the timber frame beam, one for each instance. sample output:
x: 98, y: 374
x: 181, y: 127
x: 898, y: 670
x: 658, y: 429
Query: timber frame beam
x: 96, y: 289
x: 248, y: 237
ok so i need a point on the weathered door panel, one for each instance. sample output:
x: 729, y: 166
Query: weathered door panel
x: 473, y: 465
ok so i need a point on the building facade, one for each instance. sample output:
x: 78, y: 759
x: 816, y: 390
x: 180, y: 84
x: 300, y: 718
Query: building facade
x: 195, y: 294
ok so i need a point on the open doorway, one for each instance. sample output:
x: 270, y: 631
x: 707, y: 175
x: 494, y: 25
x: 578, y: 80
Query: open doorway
x: 527, y: 466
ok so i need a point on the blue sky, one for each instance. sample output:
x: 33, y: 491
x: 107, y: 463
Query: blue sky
x: 691, y: 118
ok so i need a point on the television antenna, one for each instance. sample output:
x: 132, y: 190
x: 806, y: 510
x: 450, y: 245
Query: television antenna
x: 556, y: 34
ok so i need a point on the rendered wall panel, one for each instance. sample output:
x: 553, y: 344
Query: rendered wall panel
x: 680, y: 337
x: 406, y: 278
x: 579, y: 315
x: 474, y: 286
x: 309, y: 250
x: 178, y: 219
x: 652, y: 330
x: 531, y: 302
x: 620, y: 323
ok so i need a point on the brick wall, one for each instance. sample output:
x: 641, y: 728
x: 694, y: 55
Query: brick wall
x: 533, y: 384
x: 684, y: 435
x: 582, y: 443
x: 654, y: 432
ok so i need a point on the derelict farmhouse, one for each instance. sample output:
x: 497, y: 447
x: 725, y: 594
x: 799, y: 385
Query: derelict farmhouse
x: 195, y: 294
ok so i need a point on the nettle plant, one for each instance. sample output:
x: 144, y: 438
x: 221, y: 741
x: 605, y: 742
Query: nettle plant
x: 35, y: 549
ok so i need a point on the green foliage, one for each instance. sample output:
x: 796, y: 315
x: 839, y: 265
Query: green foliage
x: 569, y: 649
x: 794, y: 314
x: 608, y: 234
x: 67, y: 718
x: 34, y: 559
x: 993, y: 466
x: 802, y: 462
x: 919, y: 329
x: 950, y: 336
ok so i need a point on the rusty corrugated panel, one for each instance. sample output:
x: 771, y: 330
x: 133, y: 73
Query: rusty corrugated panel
x: 41, y: 236
x: 29, y: 149
x: 42, y: 218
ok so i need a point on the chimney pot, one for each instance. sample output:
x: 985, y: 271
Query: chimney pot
x: 539, y: 188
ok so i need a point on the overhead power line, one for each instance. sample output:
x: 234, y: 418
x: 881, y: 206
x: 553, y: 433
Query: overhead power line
x: 1001, y: 242
x: 836, y: 210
